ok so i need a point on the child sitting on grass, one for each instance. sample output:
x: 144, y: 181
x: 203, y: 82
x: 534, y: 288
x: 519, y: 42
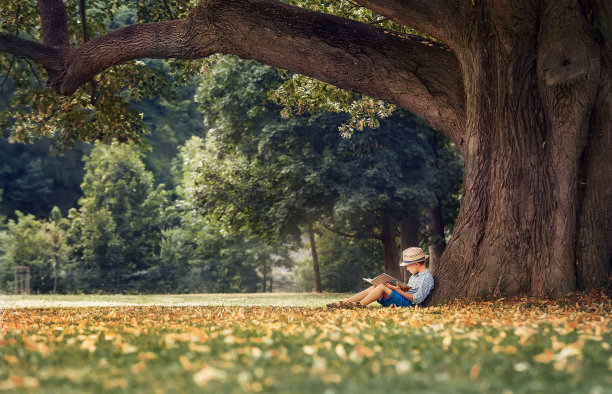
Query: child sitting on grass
x: 420, y: 285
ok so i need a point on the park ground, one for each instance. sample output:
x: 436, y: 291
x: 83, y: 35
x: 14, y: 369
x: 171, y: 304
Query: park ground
x: 283, y: 343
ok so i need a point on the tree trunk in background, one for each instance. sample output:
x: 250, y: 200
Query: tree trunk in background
x: 389, y: 245
x: 435, y: 231
x: 265, y: 276
x: 315, y: 259
x: 409, y: 236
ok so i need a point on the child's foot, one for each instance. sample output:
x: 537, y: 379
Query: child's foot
x: 350, y: 305
x: 345, y: 305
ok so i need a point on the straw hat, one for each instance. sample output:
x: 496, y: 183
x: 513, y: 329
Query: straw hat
x: 413, y: 255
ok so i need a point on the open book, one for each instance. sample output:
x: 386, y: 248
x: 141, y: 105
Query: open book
x: 383, y: 278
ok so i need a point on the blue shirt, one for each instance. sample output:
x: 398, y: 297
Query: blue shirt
x: 421, y: 285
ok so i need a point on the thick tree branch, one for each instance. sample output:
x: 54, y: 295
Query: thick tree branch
x: 415, y: 74
x: 51, y: 58
x: 419, y: 76
x: 174, y: 39
x: 431, y: 17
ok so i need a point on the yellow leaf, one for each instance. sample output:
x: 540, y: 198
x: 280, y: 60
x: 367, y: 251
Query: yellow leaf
x: 544, y: 357
x: 340, y: 351
x: 10, y: 359
x: 143, y: 356
x: 194, y: 347
x: 138, y: 367
x: 309, y: 350
x: 474, y: 372
x: 126, y: 348
x: 187, y: 365
x: 37, y: 347
x: 403, y: 366
x: 206, y: 374
x: 116, y: 383
x: 364, y: 351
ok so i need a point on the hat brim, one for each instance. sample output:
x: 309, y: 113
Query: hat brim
x: 406, y: 263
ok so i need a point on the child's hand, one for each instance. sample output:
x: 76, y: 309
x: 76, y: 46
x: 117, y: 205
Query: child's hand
x: 392, y: 286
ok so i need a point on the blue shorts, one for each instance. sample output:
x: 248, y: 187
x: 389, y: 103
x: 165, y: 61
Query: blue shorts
x: 395, y: 299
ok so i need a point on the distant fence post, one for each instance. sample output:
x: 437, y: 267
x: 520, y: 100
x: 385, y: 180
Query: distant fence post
x: 22, y: 279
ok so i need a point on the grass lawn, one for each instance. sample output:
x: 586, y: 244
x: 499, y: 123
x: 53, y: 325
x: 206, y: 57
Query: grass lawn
x: 253, y: 299
x: 290, y: 343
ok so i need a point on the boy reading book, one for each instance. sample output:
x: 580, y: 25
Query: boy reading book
x: 387, y: 294
x: 384, y: 278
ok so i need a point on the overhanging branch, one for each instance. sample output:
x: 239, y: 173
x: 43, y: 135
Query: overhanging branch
x: 414, y: 74
x: 419, y: 76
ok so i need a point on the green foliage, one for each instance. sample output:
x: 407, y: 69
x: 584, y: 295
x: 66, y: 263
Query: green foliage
x: 269, y: 175
x: 224, y: 261
x: 119, y: 224
x: 37, y: 244
x: 34, y: 179
x: 100, y: 110
x: 170, y: 124
x: 301, y: 95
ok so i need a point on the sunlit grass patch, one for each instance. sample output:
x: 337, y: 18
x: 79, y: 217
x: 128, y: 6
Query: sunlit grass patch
x: 229, y: 299
x: 480, y: 347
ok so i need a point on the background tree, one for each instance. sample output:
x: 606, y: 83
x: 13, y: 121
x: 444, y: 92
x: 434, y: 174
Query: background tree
x: 272, y: 175
x: 35, y: 179
x: 227, y: 260
x: 120, y: 220
x: 38, y: 245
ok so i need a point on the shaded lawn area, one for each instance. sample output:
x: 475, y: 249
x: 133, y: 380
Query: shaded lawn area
x: 526, y: 346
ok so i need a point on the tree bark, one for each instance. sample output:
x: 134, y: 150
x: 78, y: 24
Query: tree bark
x: 531, y: 91
x: 264, y: 281
x: 54, y: 23
x: 315, y: 259
x: 594, y: 239
x: 409, y: 236
x: 389, y: 245
x: 435, y: 233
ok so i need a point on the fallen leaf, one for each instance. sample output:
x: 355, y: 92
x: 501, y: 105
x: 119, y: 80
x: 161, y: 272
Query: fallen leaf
x: 544, y: 357
x: 474, y: 372
x: 208, y: 373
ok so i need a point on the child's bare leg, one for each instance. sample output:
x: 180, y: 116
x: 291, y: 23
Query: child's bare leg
x: 361, y: 295
x: 375, y: 294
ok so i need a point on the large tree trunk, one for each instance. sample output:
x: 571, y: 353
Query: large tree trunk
x: 409, y: 236
x: 530, y: 87
x: 435, y: 232
x: 315, y: 259
x: 389, y: 245
x: 594, y: 238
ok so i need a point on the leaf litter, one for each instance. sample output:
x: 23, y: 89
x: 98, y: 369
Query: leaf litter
x: 525, y: 345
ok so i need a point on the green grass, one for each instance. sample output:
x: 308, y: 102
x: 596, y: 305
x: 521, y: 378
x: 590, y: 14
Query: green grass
x: 251, y: 299
x: 246, y: 345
